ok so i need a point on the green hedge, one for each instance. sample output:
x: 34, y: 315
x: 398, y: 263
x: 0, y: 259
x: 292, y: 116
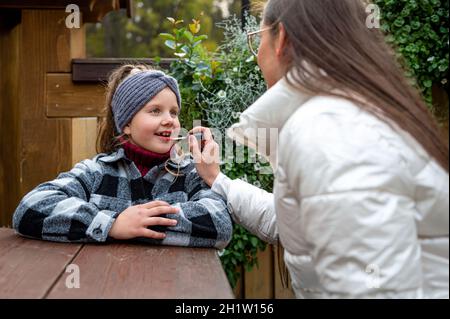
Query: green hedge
x: 419, y: 30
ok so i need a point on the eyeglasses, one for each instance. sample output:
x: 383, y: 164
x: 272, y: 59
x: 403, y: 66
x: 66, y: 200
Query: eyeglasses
x: 254, y: 40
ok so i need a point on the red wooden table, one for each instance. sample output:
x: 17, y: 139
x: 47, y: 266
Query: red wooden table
x: 39, y: 269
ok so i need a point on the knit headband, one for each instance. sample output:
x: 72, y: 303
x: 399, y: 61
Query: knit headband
x: 136, y: 91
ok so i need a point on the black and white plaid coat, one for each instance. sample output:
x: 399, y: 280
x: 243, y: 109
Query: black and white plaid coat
x: 82, y: 204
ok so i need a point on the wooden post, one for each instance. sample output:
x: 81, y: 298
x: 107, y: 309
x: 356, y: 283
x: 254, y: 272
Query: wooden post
x: 33, y: 146
x: 238, y: 290
x: 259, y: 282
x: 281, y: 292
x: 440, y: 102
x: 9, y: 113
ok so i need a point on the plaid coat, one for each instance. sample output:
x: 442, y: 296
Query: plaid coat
x: 82, y: 204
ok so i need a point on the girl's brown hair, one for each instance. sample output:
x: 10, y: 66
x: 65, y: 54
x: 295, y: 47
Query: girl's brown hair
x: 332, y: 49
x: 108, y: 139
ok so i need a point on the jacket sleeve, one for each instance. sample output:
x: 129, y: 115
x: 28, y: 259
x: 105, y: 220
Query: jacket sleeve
x: 59, y: 210
x: 356, y: 210
x: 250, y: 207
x: 203, y: 220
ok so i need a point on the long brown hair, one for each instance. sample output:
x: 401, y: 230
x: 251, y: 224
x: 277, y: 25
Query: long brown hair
x: 108, y: 139
x: 332, y: 36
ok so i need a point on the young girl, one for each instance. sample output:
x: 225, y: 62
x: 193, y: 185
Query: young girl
x: 130, y: 190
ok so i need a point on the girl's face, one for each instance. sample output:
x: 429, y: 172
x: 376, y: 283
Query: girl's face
x: 151, y: 127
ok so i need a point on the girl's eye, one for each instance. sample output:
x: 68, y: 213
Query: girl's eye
x: 174, y: 113
x: 155, y: 111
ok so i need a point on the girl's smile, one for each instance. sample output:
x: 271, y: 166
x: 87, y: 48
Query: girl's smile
x: 165, y: 136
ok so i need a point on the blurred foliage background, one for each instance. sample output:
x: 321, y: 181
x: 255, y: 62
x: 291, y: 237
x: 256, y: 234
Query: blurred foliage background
x: 117, y: 36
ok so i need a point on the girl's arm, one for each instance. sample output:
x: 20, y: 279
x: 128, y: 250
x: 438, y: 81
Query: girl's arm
x: 59, y: 210
x: 203, y: 220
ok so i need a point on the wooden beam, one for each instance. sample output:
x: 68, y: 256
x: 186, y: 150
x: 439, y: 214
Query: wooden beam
x: 67, y: 99
x: 10, y: 114
x: 239, y: 288
x: 78, y: 42
x: 260, y: 280
x: 280, y: 291
x: 440, y: 102
x: 37, y: 4
x: 93, y: 10
x: 98, y: 69
x: 84, y: 134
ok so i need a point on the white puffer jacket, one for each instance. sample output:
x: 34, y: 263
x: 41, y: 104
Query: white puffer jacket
x: 361, y: 210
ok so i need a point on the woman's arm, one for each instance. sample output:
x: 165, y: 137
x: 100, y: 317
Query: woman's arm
x: 250, y: 206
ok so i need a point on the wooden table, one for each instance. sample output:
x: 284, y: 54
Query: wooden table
x: 39, y: 269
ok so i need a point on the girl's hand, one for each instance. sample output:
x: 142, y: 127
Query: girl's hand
x: 134, y: 220
x: 207, y: 162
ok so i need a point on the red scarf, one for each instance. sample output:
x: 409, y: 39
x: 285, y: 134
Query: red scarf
x: 142, y: 158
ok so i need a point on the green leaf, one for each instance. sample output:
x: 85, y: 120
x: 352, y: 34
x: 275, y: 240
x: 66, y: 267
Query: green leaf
x: 170, y: 44
x: 428, y: 83
x: 167, y: 36
x: 188, y: 36
x: 443, y: 68
x: 254, y: 241
x: 180, y: 32
x: 399, y: 22
x: 201, y: 38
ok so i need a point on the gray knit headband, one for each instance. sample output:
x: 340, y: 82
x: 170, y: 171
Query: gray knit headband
x: 136, y: 91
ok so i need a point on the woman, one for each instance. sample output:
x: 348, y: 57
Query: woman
x: 360, y: 199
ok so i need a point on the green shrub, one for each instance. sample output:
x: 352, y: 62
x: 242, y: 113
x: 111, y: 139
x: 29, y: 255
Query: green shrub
x: 418, y: 29
x: 216, y: 87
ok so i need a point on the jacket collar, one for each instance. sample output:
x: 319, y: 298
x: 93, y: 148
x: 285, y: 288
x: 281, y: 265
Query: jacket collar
x: 269, y: 113
x: 113, y: 157
x: 120, y: 154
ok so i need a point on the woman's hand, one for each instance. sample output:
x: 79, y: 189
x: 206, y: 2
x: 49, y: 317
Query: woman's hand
x: 134, y: 220
x: 207, y: 162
